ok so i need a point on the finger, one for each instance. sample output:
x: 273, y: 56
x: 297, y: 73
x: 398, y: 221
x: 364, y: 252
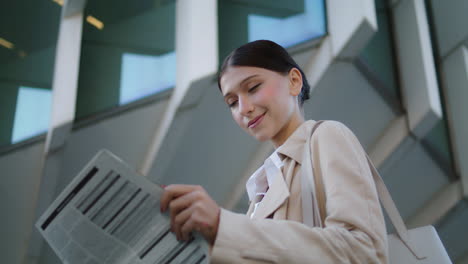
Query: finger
x: 173, y: 191
x: 188, y: 227
x: 183, y: 202
x: 180, y: 220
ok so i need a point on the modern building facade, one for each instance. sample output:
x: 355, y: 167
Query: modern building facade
x: 139, y: 79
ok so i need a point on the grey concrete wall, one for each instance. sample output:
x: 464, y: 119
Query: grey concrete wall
x: 125, y: 134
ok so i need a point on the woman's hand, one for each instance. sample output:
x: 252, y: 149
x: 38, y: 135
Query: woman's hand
x: 191, y: 209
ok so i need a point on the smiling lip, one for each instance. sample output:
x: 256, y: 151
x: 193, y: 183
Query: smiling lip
x: 254, y: 122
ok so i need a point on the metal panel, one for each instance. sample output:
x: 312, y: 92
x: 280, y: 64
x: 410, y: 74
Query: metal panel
x: 416, y: 64
x: 455, y: 70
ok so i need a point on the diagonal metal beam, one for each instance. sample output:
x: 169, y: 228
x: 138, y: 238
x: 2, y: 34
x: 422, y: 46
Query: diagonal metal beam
x: 438, y: 206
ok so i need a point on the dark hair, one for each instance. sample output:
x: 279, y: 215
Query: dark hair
x: 268, y: 55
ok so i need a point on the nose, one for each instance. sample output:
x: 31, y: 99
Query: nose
x: 245, y: 106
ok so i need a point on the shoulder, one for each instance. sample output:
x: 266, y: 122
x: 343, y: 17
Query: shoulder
x: 331, y: 129
x: 332, y: 136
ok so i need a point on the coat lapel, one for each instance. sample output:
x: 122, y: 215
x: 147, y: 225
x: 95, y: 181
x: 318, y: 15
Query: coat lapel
x: 294, y: 145
x: 277, y: 193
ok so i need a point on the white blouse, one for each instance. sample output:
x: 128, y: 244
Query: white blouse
x: 257, y: 184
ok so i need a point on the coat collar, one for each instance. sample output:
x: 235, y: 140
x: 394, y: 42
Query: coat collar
x: 294, y: 145
x: 278, y: 191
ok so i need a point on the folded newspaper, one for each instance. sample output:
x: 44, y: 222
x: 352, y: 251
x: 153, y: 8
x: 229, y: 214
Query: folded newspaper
x: 110, y: 214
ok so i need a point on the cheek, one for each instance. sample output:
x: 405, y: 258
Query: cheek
x: 269, y: 94
x: 237, y: 118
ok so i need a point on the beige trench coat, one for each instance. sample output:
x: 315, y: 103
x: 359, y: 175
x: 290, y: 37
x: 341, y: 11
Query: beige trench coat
x: 354, y: 229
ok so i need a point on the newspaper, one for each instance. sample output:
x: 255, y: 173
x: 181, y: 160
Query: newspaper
x: 110, y: 214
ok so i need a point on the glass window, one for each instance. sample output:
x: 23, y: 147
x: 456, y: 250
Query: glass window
x: 128, y: 52
x: 290, y: 30
x: 28, y: 37
x: 32, y: 113
x: 139, y: 78
x: 378, y: 55
x: 286, y: 22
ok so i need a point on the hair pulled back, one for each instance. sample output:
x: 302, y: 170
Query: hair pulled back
x: 268, y: 55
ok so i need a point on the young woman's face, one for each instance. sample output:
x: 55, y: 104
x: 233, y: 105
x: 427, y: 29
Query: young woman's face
x: 263, y: 102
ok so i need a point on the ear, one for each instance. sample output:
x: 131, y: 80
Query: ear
x: 295, y: 82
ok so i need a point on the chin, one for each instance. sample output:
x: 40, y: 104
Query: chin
x: 261, y: 137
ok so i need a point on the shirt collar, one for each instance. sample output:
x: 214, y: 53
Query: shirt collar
x: 293, y: 147
x: 264, y: 176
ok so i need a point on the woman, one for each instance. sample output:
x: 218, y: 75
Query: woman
x: 265, y: 89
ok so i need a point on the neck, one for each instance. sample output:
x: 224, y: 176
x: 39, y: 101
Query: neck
x: 296, y: 120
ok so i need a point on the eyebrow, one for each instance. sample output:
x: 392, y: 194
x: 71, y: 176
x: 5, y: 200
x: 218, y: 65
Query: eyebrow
x: 240, y: 84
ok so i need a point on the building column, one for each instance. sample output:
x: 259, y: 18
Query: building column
x: 197, y: 56
x: 64, y: 90
x: 419, y: 85
x: 455, y: 75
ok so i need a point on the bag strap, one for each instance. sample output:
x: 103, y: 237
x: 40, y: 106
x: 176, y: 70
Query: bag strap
x: 310, y: 208
x: 392, y: 212
x: 310, y: 211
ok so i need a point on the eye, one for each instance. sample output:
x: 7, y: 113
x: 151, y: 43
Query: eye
x: 232, y: 103
x: 254, y: 88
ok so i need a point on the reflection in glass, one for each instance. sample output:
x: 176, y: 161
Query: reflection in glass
x: 28, y: 37
x: 290, y: 30
x: 128, y: 52
x: 7, y: 44
x: 143, y: 75
x: 286, y: 22
x: 95, y: 22
x: 32, y: 114
x: 379, y: 57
